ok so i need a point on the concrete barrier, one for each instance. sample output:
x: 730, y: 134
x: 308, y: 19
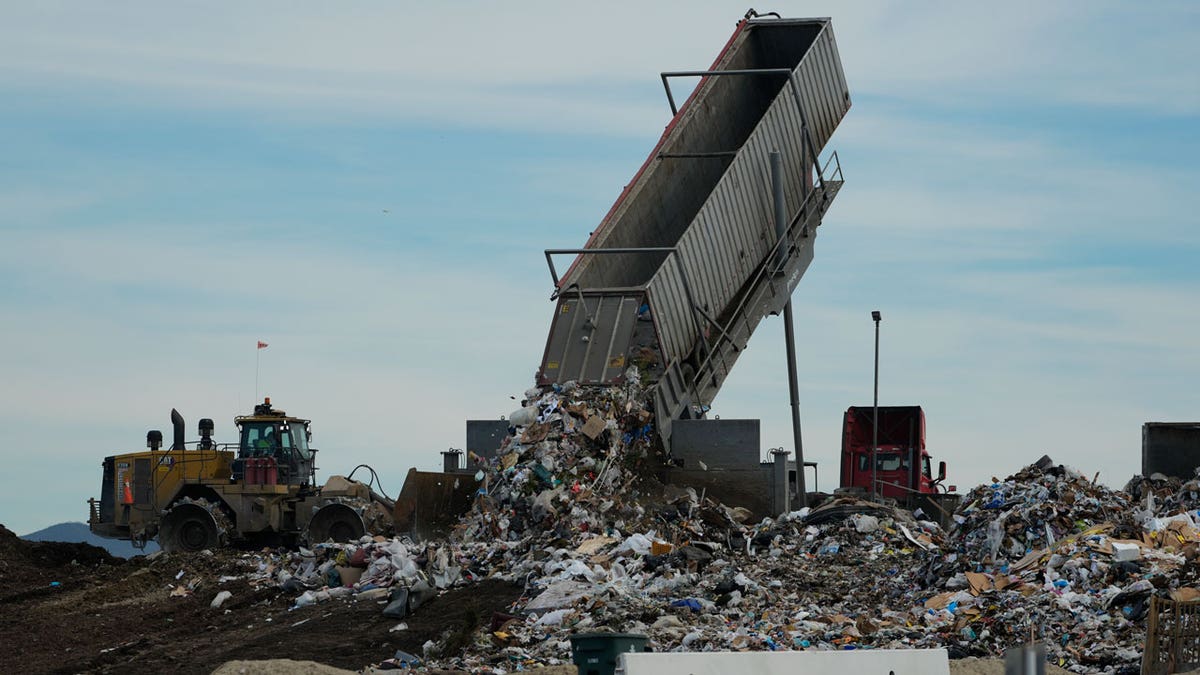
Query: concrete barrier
x: 857, y: 661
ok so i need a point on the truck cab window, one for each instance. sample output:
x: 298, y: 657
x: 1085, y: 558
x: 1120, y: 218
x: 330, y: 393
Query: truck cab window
x: 889, y: 461
x: 884, y: 461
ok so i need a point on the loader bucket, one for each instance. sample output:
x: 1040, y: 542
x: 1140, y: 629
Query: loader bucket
x: 431, y: 503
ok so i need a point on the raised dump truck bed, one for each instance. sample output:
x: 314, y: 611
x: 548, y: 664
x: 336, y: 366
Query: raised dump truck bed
x: 688, y: 260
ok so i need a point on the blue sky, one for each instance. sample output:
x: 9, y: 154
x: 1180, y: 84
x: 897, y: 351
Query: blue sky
x: 369, y: 190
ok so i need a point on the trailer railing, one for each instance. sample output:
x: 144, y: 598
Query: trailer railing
x: 774, y: 262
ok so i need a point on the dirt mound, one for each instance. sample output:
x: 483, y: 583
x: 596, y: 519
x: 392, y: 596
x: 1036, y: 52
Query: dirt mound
x: 51, y: 553
x: 154, y: 614
x: 34, y: 568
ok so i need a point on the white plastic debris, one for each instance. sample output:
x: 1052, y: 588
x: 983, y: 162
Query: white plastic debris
x: 1123, y: 552
x: 637, y: 543
x: 864, y: 523
x: 553, y: 618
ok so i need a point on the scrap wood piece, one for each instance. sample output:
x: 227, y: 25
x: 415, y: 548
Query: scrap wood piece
x: 594, y: 425
x: 594, y: 544
x: 535, y: 433
x: 1029, y: 560
x: 1185, y: 594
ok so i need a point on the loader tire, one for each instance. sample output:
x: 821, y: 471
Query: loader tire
x: 191, y: 526
x: 334, y: 522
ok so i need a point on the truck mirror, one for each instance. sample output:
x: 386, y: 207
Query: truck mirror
x: 941, y: 471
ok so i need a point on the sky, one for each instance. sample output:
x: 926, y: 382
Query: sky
x: 369, y: 187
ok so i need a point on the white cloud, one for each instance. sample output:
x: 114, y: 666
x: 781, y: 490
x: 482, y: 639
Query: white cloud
x: 962, y: 234
x: 570, y: 68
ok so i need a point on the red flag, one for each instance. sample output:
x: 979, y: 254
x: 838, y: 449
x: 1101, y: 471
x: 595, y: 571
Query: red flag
x: 262, y: 345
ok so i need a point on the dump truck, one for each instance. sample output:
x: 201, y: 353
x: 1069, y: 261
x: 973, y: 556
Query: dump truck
x: 260, y: 490
x: 712, y: 234
x: 902, y: 468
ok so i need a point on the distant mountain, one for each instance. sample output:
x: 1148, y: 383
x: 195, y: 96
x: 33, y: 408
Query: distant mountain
x: 79, y: 533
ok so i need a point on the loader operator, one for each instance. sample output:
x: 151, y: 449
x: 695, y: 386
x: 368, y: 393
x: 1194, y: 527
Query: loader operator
x: 265, y: 446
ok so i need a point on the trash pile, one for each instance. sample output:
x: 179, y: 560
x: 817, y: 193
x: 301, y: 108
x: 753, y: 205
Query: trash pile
x: 372, y: 569
x: 1046, y: 554
x: 1170, y: 494
x: 566, y: 466
x: 1052, y: 556
x: 779, y: 584
x: 568, y: 510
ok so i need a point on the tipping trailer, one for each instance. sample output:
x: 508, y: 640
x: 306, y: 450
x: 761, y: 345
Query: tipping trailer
x: 688, y: 260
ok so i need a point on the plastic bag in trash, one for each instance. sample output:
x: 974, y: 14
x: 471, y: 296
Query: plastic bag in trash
x: 864, y: 523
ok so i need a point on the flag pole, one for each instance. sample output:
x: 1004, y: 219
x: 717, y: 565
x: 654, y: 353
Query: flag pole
x: 261, y: 346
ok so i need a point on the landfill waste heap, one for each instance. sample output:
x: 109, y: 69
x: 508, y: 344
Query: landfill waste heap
x: 570, y: 511
x: 572, y: 533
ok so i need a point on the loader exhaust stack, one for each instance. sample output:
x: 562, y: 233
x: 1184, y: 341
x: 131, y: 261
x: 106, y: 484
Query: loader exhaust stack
x: 177, y: 422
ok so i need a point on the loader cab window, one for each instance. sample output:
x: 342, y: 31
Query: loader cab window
x: 295, y: 438
x: 258, y: 440
x: 925, y: 468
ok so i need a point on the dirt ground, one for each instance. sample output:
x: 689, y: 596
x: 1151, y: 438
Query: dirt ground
x: 67, y: 608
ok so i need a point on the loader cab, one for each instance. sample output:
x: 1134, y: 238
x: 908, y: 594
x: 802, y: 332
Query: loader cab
x: 273, y: 448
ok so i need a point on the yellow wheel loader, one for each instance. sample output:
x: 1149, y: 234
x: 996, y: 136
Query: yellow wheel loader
x: 259, y: 491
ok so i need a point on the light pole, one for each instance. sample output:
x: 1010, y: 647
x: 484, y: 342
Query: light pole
x: 875, y: 414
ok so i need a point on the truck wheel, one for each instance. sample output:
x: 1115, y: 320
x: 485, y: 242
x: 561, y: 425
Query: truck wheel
x: 335, y: 522
x: 192, y: 526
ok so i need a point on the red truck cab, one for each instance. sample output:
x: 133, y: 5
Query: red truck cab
x: 902, y: 467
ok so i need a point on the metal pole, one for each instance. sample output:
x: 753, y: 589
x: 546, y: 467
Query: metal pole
x: 790, y: 336
x: 875, y: 415
x: 781, y: 223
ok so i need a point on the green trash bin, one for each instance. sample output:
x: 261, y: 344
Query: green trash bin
x: 596, y: 653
